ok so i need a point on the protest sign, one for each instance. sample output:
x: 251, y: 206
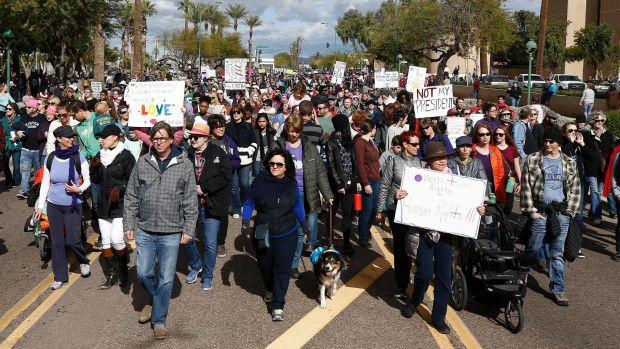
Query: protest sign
x: 386, y: 79
x: 234, y: 73
x: 338, y: 76
x: 290, y: 72
x: 456, y: 128
x: 97, y: 87
x: 433, y: 101
x: 154, y: 101
x: 415, y: 78
x: 441, y: 201
x: 475, y: 118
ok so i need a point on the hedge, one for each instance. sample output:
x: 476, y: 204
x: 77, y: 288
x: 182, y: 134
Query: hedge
x: 613, y: 122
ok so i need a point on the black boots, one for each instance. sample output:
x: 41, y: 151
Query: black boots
x: 122, y: 261
x: 111, y: 267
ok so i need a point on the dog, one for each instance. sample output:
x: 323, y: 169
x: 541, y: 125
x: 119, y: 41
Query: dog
x: 327, y: 269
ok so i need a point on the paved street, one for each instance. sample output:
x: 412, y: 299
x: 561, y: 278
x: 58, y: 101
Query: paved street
x: 364, y: 313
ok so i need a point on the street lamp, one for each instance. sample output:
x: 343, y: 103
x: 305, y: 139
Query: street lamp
x: 8, y: 38
x: 330, y: 25
x: 530, y: 48
x: 399, y: 57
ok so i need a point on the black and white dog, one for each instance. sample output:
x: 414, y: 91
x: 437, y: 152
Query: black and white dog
x: 327, y: 269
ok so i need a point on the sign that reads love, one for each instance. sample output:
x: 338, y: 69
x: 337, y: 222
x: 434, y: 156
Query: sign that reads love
x: 433, y: 101
x: 154, y: 101
x: 440, y: 201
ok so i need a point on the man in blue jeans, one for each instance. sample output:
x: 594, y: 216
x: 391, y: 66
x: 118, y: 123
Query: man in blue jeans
x: 30, y: 145
x: 550, y: 195
x: 161, y: 201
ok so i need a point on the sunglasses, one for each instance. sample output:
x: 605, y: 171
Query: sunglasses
x: 63, y: 115
x: 195, y: 138
x: 9, y: 109
x: 500, y: 134
x: 508, y: 114
x: 414, y: 144
x: 427, y: 127
x: 599, y: 120
x: 487, y: 134
x: 466, y: 113
x: 571, y: 130
x: 276, y: 164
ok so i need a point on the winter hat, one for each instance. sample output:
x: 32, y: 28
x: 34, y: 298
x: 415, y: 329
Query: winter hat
x: 553, y: 133
x: 32, y: 103
x: 340, y: 122
x: 51, y: 110
x: 581, y: 119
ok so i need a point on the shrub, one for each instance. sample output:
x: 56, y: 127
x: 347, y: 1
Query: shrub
x: 613, y: 122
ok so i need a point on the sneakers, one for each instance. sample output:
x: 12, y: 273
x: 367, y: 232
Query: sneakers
x: 221, y: 251
x: 58, y: 284
x: 616, y: 257
x: 98, y: 246
x: 145, y: 314
x: 277, y: 315
x: 236, y: 216
x: 596, y: 222
x: 560, y: 299
x: 85, y: 270
x: 207, y: 285
x: 580, y: 255
x: 409, y: 310
x: 22, y: 195
x: 160, y: 332
x: 612, y: 215
x: 192, y: 276
x: 268, y: 297
x: 401, y: 295
x: 441, y: 327
x: 295, y: 274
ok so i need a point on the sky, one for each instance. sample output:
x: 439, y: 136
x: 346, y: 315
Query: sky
x: 284, y: 20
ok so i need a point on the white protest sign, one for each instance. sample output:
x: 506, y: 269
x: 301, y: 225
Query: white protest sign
x: 433, y: 101
x: 234, y: 73
x: 456, y: 127
x: 441, y: 201
x: 154, y: 101
x: 338, y: 76
x: 415, y: 78
x: 475, y: 118
x: 97, y: 87
x: 386, y: 79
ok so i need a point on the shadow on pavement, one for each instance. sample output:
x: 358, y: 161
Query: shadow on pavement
x: 3, y: 248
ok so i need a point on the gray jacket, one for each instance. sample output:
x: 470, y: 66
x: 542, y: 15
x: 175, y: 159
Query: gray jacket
x: 473, y: 169
x: 163, y: 202
x: 391, y: 176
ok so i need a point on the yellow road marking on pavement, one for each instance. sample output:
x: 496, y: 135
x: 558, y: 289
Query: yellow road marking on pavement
x: 31, y: 296
x: 311, y: 324
x: 25, y: 326
x: 457, y: 325
x: 442, y: 340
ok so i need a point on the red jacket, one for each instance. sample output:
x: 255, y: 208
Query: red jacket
x: 367, y: 157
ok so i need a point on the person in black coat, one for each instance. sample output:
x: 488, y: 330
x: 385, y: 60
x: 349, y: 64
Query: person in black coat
x: 264, y: 135
x: 111, y: 169
x: 213, y: 181
x: 243, y: 135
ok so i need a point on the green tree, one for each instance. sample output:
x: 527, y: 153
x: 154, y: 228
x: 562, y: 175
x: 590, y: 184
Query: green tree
x: 613, y: 61
x: 526, y: 29
x: 236, y: 12
x: 595, y: 42
x: 283, y: 60
x: 352, y: 28
x: 185, y: 6
x: 252, y: 22
x: 555, y: 45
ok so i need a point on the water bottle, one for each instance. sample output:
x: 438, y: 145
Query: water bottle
x: 492, y: 199
x: 357, y: 201
x: 510, y: 185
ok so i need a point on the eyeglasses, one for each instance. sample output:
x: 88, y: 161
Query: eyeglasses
x: 500, y: 134
x: 160, y: 139
x: 599, y: 120
x: 195, y: 138
x: 550, y: 141
x: 427, y: 127
x: 414, y: 144
x: 466, y: 113
x: 487, y: 134
x: 237, y: 112
x: 508, y: 114
x: 276, y: 164
x: 571, y: 130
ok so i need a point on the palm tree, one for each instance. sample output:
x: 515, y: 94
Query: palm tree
x: 185, y: 6
x: 209, y: 16
x: 540, y: 55
x: 126, y: 18
x: 219, y: 23
x: 252, y: 22
x: 194, y: 14
x: 138, y: 57
x: 148, y: 10
x: 99, y: 53
x: 236, y: 12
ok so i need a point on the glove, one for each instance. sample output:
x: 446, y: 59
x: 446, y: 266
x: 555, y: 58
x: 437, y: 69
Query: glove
x: 114, y: 197
x: 95, y: 162
x: 245, y: 229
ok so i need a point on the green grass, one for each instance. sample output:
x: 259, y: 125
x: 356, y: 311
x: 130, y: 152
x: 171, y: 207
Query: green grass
x: 600, y: 95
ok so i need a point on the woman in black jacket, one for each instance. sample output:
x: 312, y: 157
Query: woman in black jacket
x: 343, y: 175
x: 279, y: 212
x: 243, y: 135
x: 264, y: 135
x: 213, y: 178
x: 602, y: 140
x: 111, y: 169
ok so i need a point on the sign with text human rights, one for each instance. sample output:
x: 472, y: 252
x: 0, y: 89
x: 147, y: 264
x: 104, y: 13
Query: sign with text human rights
x: 440, y: 201
x: 415, y: 78
x: 154, y: 101
x: 433, y: 101
x: 386, y: 79
x: 234, y: 73
x: 338, y: 76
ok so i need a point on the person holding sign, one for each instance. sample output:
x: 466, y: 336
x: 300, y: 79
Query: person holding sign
x: 391, y: 177
x: 434, y: 254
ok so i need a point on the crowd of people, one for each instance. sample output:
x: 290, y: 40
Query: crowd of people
x: 276, y: 154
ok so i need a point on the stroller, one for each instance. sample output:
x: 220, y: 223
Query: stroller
x: 494, y: 260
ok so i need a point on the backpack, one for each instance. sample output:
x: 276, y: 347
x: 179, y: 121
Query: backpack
x: 76, y: 160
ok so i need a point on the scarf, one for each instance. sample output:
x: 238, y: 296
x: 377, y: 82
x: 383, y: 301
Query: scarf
x: 610, y: 172
x: 70, y: 153
x: 108, y: 155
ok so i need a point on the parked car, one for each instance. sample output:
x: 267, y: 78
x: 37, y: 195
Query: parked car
x: 568, y: 82
x: 600, y: 85
x: 495, y: 80
x: 615, y: 82
x: 537, y: 81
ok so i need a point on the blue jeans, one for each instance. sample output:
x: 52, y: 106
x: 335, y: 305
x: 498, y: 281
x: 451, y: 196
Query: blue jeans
x: 587, y: 109
x: 14, y: 177
x: 556, y: 249
x: 210, y: 229
x: 163, y: 249
x: 257, y: 168
x: 514, y: 101
x: 313, y: 222
x: 369, y: 209
x: 596, y: 209
x: 28, y: 160
x: 239, y: 187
